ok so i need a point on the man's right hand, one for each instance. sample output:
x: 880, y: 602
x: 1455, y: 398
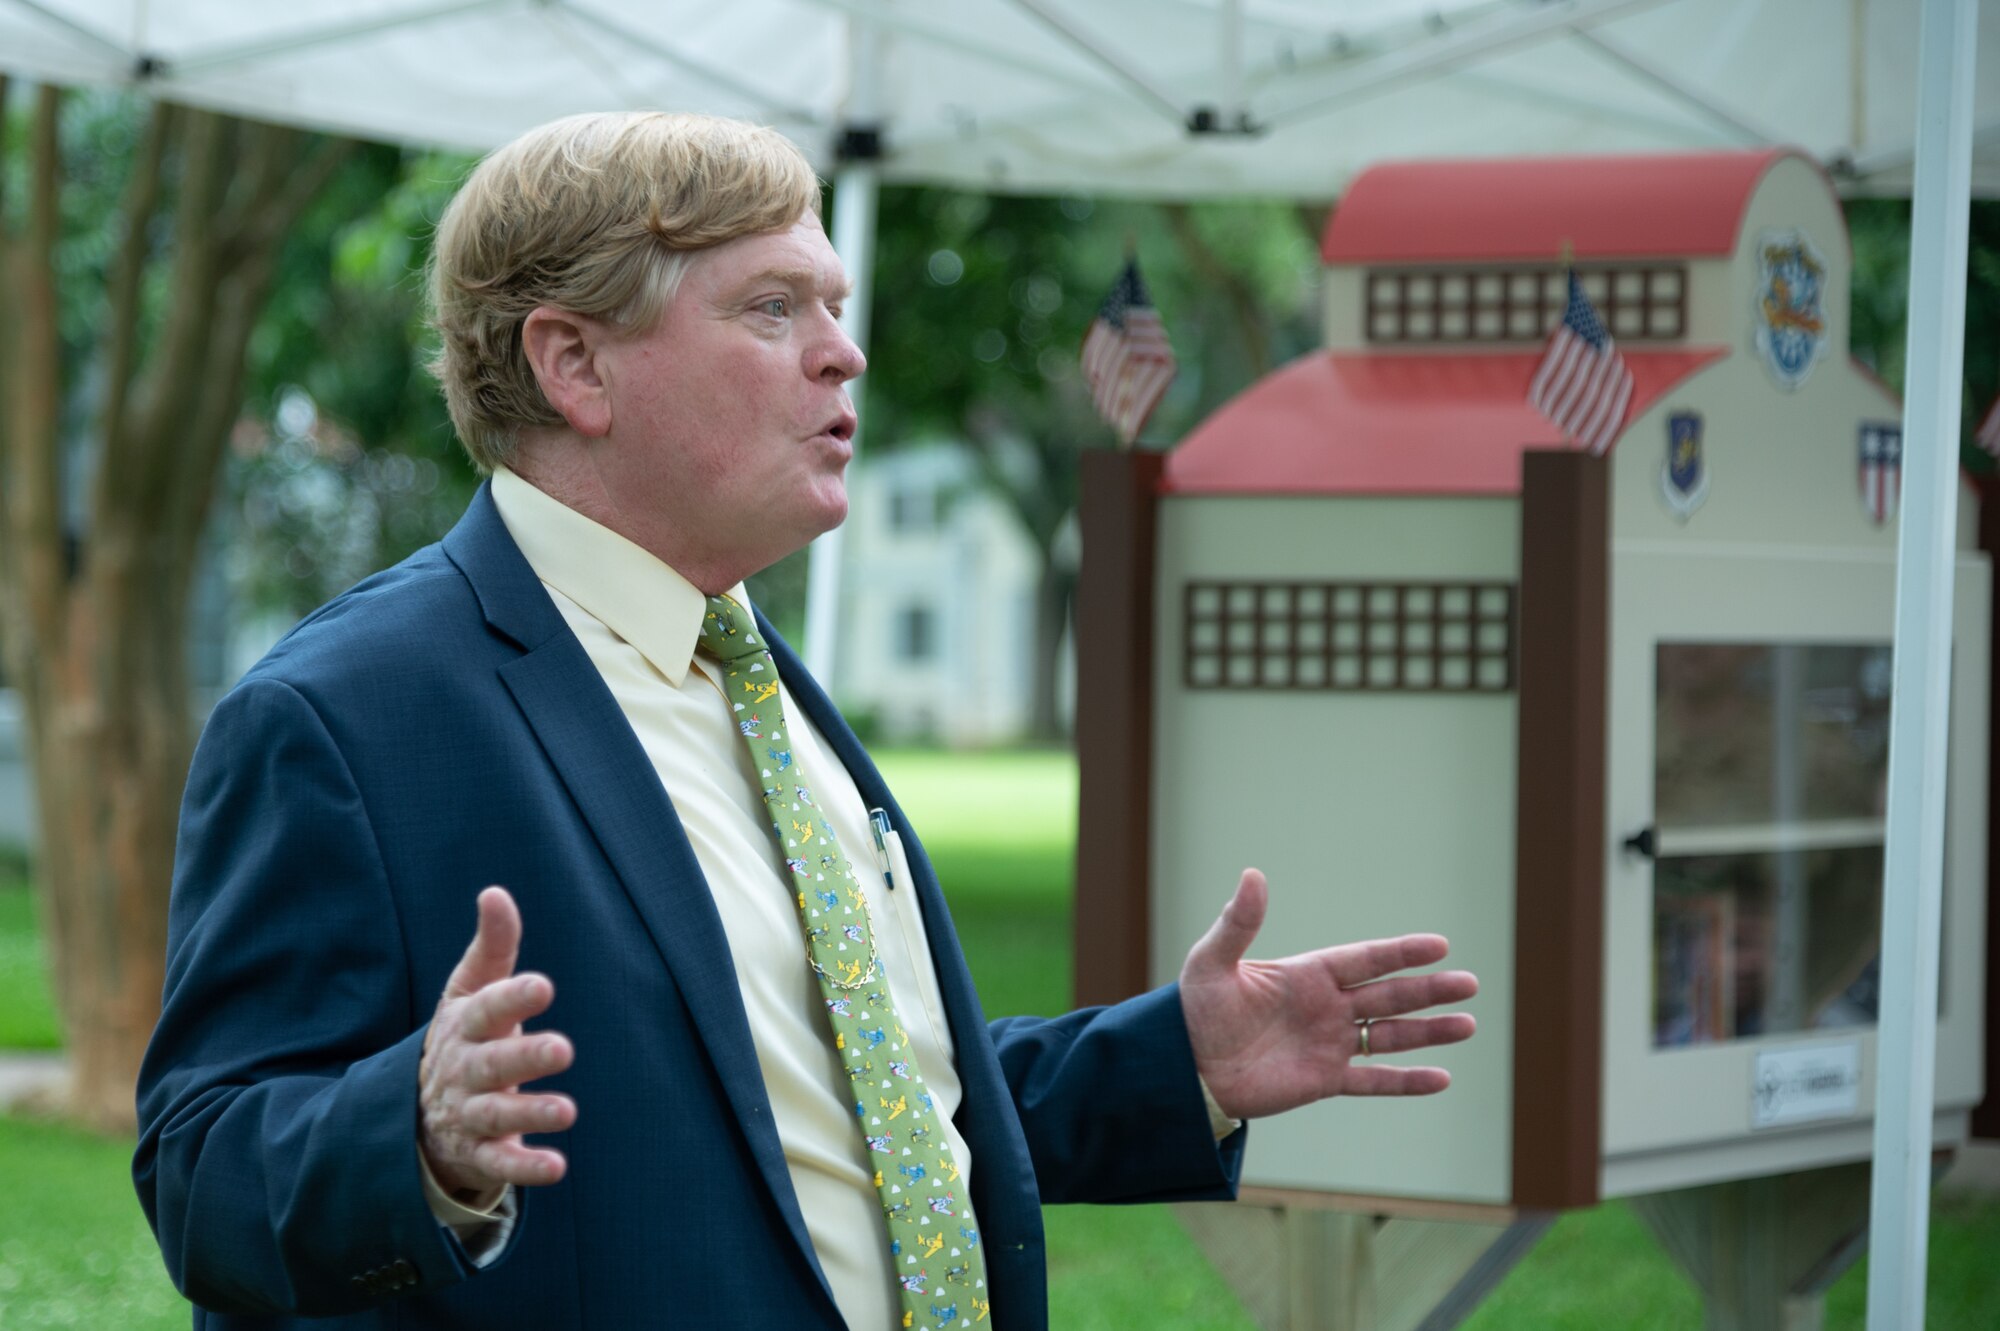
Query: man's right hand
x: 476, y: 1058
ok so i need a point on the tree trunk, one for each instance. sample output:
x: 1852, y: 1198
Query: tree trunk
x: 1055, y: 586
x: 95, y: 623
x: 108, y: 737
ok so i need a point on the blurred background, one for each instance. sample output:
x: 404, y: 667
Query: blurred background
x: 216, y: 324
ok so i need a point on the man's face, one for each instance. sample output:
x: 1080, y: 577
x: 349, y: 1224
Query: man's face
x: 730, y: 423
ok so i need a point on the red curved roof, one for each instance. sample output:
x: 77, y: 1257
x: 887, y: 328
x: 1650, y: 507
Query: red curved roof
x: 1333, y: 423
x: 1525, y: 208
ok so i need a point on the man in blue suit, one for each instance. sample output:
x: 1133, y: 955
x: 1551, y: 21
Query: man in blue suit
x: 348, y: 1113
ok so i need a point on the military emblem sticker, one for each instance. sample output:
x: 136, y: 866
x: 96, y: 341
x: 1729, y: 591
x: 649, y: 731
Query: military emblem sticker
x: 1684, y: 474
x: 1881, y: 469
x: 1790, y: 306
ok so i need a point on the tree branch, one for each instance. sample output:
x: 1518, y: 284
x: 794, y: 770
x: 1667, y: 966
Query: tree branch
x: 1243, y: 302
x: 137, y: 460
x: 9, y: 389
x: 278, y: 212
x: 119, y: 339
x: 260, y: 155
x: 30, y: 462
x: 4, y: 83
x: 1312, y: 219
x: 1034, y: 501
x: 189, y: 489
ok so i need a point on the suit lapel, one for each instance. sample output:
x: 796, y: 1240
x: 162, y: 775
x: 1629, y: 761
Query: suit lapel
x: 600, y: 761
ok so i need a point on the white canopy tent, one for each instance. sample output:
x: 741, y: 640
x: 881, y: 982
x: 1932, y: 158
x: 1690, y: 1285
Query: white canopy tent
x: 1210, y: 98
x: 1055, y: 95
x: 1165, y: 98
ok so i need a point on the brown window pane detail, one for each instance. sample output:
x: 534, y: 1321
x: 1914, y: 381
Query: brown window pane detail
x: 1428, y: 637
x: 1639, y: 302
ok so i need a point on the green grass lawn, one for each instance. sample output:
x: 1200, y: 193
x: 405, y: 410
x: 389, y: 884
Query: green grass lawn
x: 1001, y: 830
x: 27, y: 1017
x: 74, y: 1250
x: 74, y: 1247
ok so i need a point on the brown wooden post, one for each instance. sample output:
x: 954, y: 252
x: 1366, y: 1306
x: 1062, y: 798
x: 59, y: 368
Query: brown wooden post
x: 1559, y: 856
x: 1986, y: 1118
x: 1114, y: 723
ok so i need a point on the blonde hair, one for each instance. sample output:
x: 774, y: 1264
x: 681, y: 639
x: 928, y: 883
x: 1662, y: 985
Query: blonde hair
x: 598, y: 215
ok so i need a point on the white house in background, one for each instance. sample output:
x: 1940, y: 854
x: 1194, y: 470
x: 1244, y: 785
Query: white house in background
x: 17, y: 808
x: 937, y: 626
x: 937, y: 643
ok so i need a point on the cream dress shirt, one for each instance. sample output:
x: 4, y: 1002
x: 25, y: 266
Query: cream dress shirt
x: 638, y: 621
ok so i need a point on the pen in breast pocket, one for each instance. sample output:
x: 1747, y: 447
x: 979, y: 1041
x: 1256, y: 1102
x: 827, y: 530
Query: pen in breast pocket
x: 878, y: 823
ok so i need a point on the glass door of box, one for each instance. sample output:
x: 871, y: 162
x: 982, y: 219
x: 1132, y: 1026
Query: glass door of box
x: 1770, y: 772
x: 1746, y: 783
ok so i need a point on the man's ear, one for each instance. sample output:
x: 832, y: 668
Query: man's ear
x: 563, y: 350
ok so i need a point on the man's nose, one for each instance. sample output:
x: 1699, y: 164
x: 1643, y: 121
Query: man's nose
x: 838, y: 358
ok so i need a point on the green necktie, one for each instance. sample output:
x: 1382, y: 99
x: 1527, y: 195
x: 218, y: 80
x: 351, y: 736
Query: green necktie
x: 933, y: 1242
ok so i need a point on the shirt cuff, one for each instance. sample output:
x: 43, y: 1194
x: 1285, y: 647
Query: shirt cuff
x: 1218, y: 1122
x: 483, y: 1233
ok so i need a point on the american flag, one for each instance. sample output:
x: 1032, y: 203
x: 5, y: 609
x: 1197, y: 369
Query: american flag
x: 1126, y: 356
x: 1582, y: 384
x: 1987, y: 436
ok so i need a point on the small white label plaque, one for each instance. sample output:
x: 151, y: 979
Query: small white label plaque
x: 1801, y: 1085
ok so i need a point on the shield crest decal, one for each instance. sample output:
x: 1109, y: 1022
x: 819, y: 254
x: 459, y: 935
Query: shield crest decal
x: 1790, y: 306
x: 1684, y: 474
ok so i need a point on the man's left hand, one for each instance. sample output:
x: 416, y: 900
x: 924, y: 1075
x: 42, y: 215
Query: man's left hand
x: 1272, y: 1035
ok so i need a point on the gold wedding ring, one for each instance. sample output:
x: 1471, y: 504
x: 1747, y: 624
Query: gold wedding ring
x: 1364, y: 1037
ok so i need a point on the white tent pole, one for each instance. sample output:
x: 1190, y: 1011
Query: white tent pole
x: 856, y: 187
x: 1913, y: 858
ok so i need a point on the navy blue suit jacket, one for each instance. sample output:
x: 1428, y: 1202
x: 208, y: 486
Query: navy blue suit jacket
x: 436, y: 729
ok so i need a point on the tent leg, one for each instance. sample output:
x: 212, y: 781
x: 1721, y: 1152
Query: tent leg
x: 856, y: 191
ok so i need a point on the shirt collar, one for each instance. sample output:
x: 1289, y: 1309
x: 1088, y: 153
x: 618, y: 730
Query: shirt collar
x: 632, y: 592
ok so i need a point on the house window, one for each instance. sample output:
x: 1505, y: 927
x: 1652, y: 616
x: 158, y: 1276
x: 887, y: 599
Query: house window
x: 1421, y: 637
x: 1638, y: 303
x: 916, y: 633
x: 912, y: 509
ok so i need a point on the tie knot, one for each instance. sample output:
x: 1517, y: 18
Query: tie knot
x: 729, y: 631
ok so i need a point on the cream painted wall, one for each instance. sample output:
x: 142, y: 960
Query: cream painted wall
x: 1371, y: 815
x: 1782, y: 468
x: 1722, y: 293
x: 1782, y: 465
x: 1342, y: 291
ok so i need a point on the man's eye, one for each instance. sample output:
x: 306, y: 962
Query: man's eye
x: 777, y: 307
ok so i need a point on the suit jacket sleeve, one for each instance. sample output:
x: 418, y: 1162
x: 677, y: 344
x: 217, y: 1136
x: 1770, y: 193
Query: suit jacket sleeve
x: 277, y: 1158
x: 1111, y: 1106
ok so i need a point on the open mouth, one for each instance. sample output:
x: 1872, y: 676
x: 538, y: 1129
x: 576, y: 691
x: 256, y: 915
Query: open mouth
x: 841, y: 427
